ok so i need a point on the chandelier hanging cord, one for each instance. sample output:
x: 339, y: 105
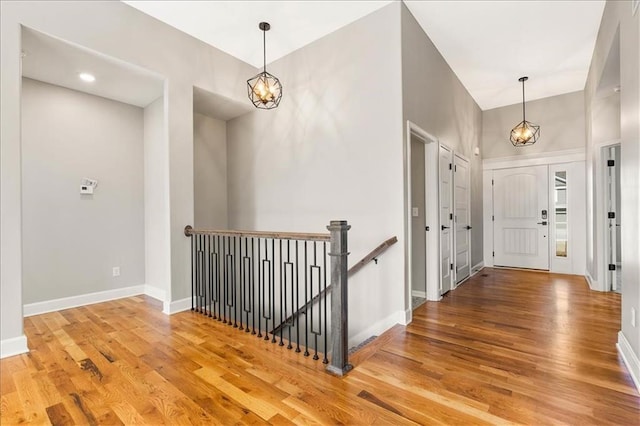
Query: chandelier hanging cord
x: 523, y: 79
x: 264, y: 26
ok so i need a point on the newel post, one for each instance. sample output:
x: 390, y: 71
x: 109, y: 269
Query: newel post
x: 339, y: 364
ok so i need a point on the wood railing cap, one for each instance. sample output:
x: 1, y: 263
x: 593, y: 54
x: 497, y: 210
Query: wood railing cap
x: 301, y: 236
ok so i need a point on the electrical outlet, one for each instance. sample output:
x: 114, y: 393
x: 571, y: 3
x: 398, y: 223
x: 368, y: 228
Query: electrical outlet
x: 633, y: 316
x: 116, y: 271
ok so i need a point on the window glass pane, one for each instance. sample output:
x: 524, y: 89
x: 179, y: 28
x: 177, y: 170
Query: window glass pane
x: 560, y: 209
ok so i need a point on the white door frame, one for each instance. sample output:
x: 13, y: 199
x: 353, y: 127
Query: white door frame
x: 489, y: 165
x: 599, y: 282
x: 431, y: 211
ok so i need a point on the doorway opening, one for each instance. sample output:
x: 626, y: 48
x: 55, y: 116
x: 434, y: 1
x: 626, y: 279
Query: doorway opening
x: 421, y: 238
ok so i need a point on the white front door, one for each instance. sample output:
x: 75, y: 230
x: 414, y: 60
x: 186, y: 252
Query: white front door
x: 445, y: 167
x: 462, y: 217
x: 521, y: 217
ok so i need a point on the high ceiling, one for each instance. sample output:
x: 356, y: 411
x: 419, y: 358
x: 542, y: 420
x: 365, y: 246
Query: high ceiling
x: 488, y: 44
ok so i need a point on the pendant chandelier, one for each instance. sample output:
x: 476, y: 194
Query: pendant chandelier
x: 265, y: 90
x: 525, y: 133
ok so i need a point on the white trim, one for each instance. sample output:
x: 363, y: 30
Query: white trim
x: 487, y: 222
x: 432, y: 280
x: 593, y: 284
x: 630, y: 358
x: 536, y: 159
x: 418, y: 293
x: 155, y: 292
x: 170, y: 308
x: 477, y: 268
x: 13, y: 346
x: 598, y: 215
x: 81, y: 300
x: 398, y: 317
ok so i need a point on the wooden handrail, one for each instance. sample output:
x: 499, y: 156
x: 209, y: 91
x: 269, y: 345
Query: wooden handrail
x: 355, y: 268
x: 303, y: 236
x: 373, y: 255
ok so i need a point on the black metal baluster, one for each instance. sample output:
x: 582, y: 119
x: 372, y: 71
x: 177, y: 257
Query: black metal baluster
x: 272, y: 285
x: 291, y: 292
x: 260, y: 287
x: 193, y: 269
x: 306, y: 299
x: 225, y: 279
x: 325, y: 331
x: 283, y: 292
x: 315, y: 332
x: 234, y: 284
x: 253, y: 287
x: 297, y: 300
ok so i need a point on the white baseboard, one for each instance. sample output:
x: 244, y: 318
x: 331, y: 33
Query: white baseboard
x: 81, y: 300
x: 477, y: 268
x: 630, y: 359
x: 155, y: 292
x: 176, y: 306
x: 13, y: 346
x: 418, y: 293
x: 593, y: 284
x: 399, y: 317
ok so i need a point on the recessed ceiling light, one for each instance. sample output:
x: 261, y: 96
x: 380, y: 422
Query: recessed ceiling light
x: 85, y: 76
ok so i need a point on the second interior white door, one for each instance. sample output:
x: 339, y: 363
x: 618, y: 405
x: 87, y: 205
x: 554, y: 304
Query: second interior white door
x: 445, y: 168
x: 462, y: 216
x: 521, y: 217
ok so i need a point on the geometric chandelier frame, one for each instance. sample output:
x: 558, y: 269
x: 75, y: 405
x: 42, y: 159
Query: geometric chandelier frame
x: 264, y: 89
x: 524, y: 133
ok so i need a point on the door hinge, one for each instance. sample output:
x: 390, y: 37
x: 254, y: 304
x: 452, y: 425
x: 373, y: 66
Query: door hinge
x: 491, y: 182
x: 611, y: 215
x: 451, y: 266
x: 455, y: 168
x: 612, y: 267
x: 450, y: 216
x: 450, y: 165
x: 611, y: 163
x: 493, y: 218
x: 493, y: 254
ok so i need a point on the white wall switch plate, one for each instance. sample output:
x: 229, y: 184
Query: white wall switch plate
x: 414, y: 212
x: 116, y: 271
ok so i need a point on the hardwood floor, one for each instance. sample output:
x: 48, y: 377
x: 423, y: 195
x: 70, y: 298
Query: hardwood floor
x: 506, y: 347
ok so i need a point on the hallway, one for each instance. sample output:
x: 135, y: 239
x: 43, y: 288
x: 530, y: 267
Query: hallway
x: 506, y: 346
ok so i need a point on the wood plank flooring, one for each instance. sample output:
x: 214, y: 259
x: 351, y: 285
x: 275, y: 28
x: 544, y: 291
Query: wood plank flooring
x: 507, y: 347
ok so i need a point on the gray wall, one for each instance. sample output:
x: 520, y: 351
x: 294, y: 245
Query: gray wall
x: 145, y: 42
x: 72, y: 241
x: 209, y: 172
x: 617, y: 16
x: 332, y: 150
x: 435, y: 100
x: 156, y: 201
x: 561, y: 121
x: 605, y: 118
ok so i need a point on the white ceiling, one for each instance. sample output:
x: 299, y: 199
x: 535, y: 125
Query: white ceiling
x: 488, y: 44
x: 57, y: 62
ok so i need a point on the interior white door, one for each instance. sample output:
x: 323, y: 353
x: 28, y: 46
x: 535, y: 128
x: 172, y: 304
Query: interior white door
x: 462, y: 217
x: 521, y: 217
x: 445, y: 168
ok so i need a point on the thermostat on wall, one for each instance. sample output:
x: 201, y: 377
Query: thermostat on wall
x: 88, y: 185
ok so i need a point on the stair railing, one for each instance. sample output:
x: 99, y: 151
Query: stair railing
x: 253, y: 280
x: 372, y: 256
